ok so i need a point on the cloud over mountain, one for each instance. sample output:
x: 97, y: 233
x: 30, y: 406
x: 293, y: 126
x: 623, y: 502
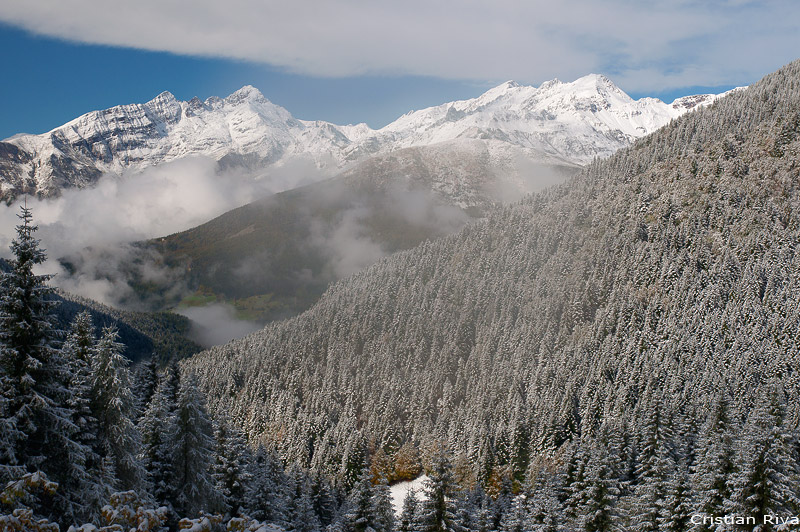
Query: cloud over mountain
x: 644, y: 45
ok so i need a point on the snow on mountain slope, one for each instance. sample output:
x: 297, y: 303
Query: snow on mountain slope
x: 558, y: 123
x: 244, y: 129
x: 590, y: 117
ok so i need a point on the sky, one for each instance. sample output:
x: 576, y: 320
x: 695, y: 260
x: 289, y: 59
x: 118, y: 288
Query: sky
x: 350, y: 61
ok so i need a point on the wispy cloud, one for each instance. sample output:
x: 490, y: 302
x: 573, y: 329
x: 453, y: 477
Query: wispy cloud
x: 217, y: 324
x: 93, y: 228
x: 644, y: 45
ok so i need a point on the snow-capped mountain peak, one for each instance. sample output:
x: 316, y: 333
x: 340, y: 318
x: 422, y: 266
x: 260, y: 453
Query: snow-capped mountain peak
x: 248, y: 93
x: 558, y: 122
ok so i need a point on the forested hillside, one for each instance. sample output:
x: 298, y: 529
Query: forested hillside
x: 617, y: 353
x: 625, y: 342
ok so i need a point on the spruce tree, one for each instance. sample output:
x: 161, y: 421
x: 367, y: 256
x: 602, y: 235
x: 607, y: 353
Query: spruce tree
x: 648, y: 504
x: 158, y: 430
x: 300, y: 515
x: 382, y: 509
x: 38, y: 425
x: 230, y: 466
x: 192, y: 453
x: 145, y: 381
x: 765, y: 484
x: 34, y: 375
x: 600, y: 493
x: 113, y: 406
x: 78, y: 351
x: 360, y: 516
x: 408, y: 513
x: 324, y: 498
x: 437, y: 513
x: 715, y: 464
x: 266, y: 497
x: 515, y: 519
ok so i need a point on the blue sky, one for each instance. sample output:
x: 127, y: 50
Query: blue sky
x: 51, y: 81
x: 349, y: 61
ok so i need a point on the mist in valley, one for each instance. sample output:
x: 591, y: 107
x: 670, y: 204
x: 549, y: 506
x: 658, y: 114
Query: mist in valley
x: 102, y: 242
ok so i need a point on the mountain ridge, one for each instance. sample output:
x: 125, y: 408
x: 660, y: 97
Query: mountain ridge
x: 560, y: 123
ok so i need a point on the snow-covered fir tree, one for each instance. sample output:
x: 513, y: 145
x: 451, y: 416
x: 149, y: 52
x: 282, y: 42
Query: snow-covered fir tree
x: 36, y: 402
x: 437, y: 511
x: 158, y: 430
x: 113, y: 405
x: 230, y: 469
x: 407, y: 518
x: 192, y: 452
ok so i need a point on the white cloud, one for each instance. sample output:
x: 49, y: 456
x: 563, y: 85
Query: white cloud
x: 643, y: 45
x: 217, y: 324
x: 94, y: 227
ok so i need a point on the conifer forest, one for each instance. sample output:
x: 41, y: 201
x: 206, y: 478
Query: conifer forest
x: 620, y: 352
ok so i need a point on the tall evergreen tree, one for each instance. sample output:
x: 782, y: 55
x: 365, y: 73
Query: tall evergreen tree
x: 601, y: 490
x: 408, y: 513
x: 382, y: 509
x: 38, y: 426
x: 360, y: 516
x: 715, y: 464
x: 516, y: 518
x: 114, y: 407
x: 145, y: 381
x: 300, y: 515
x: 230, y: 466
x: 265, y: 499
x: 78, y: 351
x: 192, y: 452
x: 765, y: 484
x: 648, y: 504
x: 324, y: 498
x: 437, y: 513
x: 158, y: 430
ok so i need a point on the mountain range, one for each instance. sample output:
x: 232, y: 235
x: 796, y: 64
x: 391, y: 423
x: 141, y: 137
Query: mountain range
x: 557, y: 123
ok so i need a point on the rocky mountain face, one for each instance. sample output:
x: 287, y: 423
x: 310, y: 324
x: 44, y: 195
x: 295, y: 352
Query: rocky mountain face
x: 556, y: 123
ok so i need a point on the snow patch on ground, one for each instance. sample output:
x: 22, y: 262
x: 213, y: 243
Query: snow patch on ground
x: 400, y: 490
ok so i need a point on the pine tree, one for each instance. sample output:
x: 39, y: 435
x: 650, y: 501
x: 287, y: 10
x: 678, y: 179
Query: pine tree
x: 678, y: 511
x: 300, y: 515
x: 382, y: 509
x: 324, y: 499
x: 360, y: 515
x: 515, y: 519
x: 230, y: 466
x: 158, y: 430
x: 192, y: 453
x: 600, y: 494
x: 37, y: 419
x: 544, y: 510
x: 78, y: 351
x: 408, y: 513
x: 656, y: 469
x: 715, y: 464
x: 437, y: 513
x: 266, y: 498
x: 114, y: 408
x: 764, y: 484
x: 145, y: 382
